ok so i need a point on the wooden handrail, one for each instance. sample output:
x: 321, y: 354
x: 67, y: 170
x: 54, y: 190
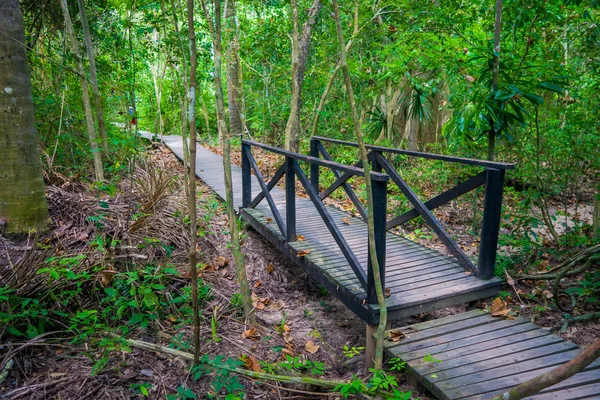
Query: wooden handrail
x: 317, y: 161
x: 418, y: 154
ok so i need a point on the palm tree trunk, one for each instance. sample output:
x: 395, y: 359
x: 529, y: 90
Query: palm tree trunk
x: 22, y: 198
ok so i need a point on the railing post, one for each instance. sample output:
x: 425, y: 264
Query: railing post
x: 314, y: 168
x: 246, y: 176
x: 375, y: 166
x: 290, y: 200
x: 490, y: 225
x: 379, y: 213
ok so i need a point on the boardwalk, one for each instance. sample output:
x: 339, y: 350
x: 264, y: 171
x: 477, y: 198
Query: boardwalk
x: 469, y: 356
x: 419, y: 279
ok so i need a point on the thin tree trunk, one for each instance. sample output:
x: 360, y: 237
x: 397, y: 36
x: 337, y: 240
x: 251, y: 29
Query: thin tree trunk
x: 338, y: 65
x: 495, y: 76
x: 300, y: 46
x: 93, y: 75
x: 183, y: 72
x: 370, y: 215
x: 22, y: 199
x: 192, y: 177
x: 215, y: 29
x: 233, y: 67
x: 596, y: 219
x: 96, y: 155
x: 555, y: 376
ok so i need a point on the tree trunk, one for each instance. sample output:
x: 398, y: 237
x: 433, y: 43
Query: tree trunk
x: 338, y: 65
x: 233, y: 69
x: 596, y: 219
x: 183, y: 94
x: 495, y: 76
x: 93, y: 75
x: 370, y: 212
x: 300, y: 46
x: 192, y: 177
x: 89, y: 119
x: 22, y: 198
x: 242, y: 278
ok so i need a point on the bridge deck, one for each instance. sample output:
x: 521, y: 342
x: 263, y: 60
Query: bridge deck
x: 473, y: 356
x: 419, y: 279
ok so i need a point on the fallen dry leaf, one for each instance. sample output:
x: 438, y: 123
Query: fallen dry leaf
x: 499, y: 308
x: 388, y: 292
x: 302, y: 253
x: 269, y: 220
x: 107, y: 276
x: 468, y: 272
x: 251, y: 334
x: 346, y: 221
x: 287, y: 351
x: 300, y: 238
x: 395, y: 335
x: 259, y: 302
x: 311, y: 347
x: 270, y: 268
x: 251, y: 363
x: 258, y: 283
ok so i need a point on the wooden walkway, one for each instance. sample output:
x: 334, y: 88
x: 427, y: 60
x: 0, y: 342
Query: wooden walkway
x: 465, y: 356
x: 473, y: 356
x: 419, y: 279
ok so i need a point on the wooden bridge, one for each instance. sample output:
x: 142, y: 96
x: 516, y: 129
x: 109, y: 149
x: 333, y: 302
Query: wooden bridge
x: 332, y: 247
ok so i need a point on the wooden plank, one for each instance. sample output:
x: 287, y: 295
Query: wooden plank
x: 472, y: 336
x: 576, y: 387
x: 469, y: 283
x: 481, y: 388
x: 509, y: 369
x: 485, y: 355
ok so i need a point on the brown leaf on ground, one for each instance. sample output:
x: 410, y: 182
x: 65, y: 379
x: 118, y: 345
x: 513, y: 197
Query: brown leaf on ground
x: 387, y: 292
x: 346, y: 220
x: 259, y: 302
x: 107, y: 276
x: 269, y: 268
x: 287, y: 351
x: 468, y: 272
x: 300, y: 238
x: 258, y: 283
x: 251, y: 334
x: 311, y: 347
x: 302, y: 253
x: 251, y: 363
x: 499, y: 308
x: 269, y: 220
x: 395, y: 335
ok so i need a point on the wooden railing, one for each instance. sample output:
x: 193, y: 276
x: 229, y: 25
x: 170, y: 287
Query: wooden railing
x: 492, y: 177
x: 291, y: 170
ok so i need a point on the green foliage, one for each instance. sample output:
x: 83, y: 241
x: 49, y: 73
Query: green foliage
x: 222, y: 378
x: 350, y: 352
x: 183, y: 393
x: 396, y: 364
x: 300, y: 364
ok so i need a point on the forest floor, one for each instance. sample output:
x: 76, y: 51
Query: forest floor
x: 298, y: 318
